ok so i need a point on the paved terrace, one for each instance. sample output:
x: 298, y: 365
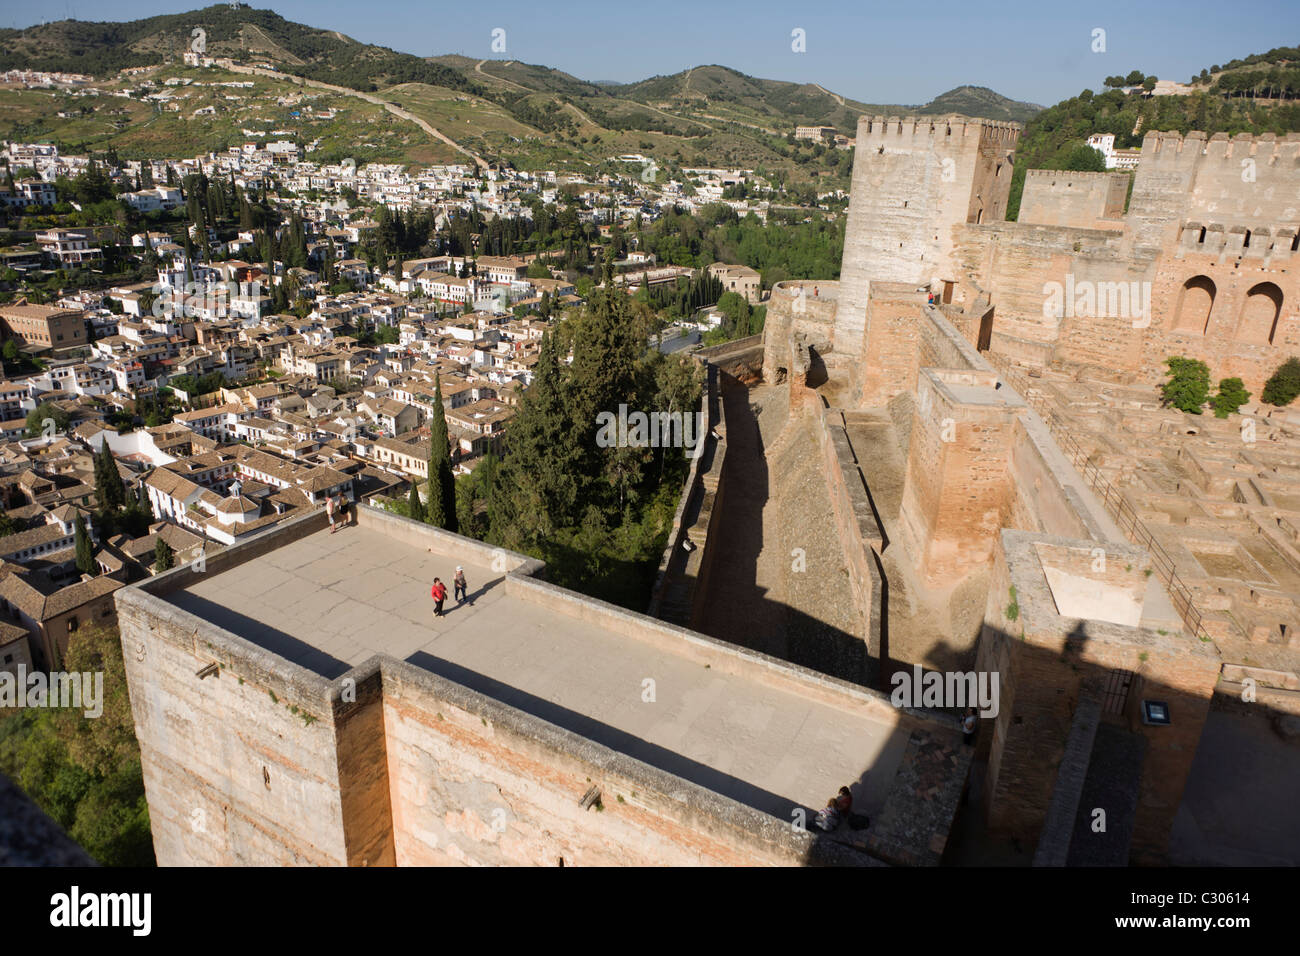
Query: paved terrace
x: 329, y: 602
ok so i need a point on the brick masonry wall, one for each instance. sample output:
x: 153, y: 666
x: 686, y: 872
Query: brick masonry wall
x: 957, y: 488
x: 1231, y: 344
x: 792, y: 315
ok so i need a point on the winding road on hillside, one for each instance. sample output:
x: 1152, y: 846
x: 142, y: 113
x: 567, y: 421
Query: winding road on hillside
x: 369, y: 98
x: 835, y: 96
x: 478, y: 68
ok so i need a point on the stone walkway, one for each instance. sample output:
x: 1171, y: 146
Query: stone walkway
x: 776, y: 501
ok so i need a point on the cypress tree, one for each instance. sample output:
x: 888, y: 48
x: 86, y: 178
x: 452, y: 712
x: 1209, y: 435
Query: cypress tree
x: 415, y: 507
x: 108, y: 481
x: 536, y: 488
x: 442, y: 483
x: 85, y: 554
x: 163, y: 556
x: 604, y: 374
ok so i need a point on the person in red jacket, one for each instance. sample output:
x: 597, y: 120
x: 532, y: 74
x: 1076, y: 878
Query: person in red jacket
x: 439, y: 593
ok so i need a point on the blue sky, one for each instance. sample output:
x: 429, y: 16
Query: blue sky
x: 877, y: 52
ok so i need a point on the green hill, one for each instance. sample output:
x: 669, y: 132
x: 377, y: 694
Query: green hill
x: 242, y: 33
x: 527, y: 114
x: 981, y: 102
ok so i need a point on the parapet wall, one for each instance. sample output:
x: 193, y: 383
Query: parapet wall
x: 1077, y: 200
x: 903, y: 130
x: 860, y: 535
x: 1243, y: 179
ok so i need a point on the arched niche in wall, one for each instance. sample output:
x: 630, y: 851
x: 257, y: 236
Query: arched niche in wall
x: 1195, y: 302
x: 1259, y: 314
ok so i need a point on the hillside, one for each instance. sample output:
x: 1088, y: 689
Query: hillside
x: 244, y: 33
x: 211, y: 117
x: 1278, y: 57
x: 982, y: 102
x: 529, y: 115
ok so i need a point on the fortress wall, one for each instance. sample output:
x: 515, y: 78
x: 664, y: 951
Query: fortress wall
x: 1073, y: 199
x: 991, y: 184
x: 913, y: 179
x: 675, y: 582
x: 741, y: 358
x: 233, y: 776
x: 1235, y: 340
x: 1043, y: 498
x: 999, y: 463
x: 1164, y: 177
x: 1240, y: 180
x: 957, y: 487
x: 1049, y: 661
x: 892, y: 349
x: 1247, y: 179
x: 700, y: 562
x: 1126, y: 311
x: 1019, y: 266
x: 856, y: 525
x: 475, y: 781
x: 903, y: 337
x: 795, y: 313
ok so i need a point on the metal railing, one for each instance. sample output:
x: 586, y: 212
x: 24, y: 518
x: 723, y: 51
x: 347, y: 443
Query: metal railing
x: 1115, y: 503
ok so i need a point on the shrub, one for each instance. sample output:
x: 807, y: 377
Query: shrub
x: 1284, y: 384
x: 1232, y: 395
x: 1188, y: 388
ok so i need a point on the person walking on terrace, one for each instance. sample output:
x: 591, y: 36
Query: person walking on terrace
x: 458, y: 582
x: 439, y: 593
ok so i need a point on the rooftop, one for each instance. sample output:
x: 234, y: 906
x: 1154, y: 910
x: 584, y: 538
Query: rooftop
x: 745, y: 726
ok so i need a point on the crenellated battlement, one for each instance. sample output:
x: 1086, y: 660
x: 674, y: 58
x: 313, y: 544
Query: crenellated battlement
x: 938, y: 130
x: 1274, y: 241
x: 1062, y: 174
x: 1169, y: 149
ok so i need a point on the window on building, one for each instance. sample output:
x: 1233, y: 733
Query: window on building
x: 1115, y: 697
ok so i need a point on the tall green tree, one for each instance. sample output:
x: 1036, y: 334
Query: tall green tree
x: 536, y: 489
x: 164, y: 558
x: 442, y: 482
x: 109, y: 490
x: 85, y: 552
